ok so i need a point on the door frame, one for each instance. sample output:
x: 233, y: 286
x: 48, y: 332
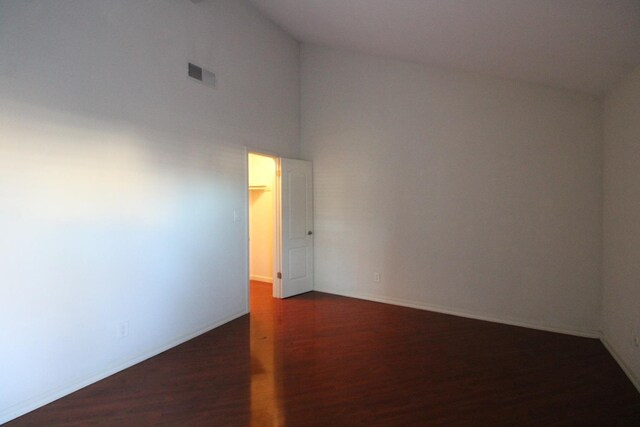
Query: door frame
x: 277, y: 230
x: 277, y: 217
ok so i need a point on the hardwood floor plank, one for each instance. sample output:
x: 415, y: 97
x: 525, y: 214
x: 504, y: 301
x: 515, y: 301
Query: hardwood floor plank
x: 325, y: 360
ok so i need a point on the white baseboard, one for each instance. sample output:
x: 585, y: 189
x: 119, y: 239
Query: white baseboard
x: 22, y: 408
x: 456, y: 312
x: 259, y: 278
x: 445, y: 310
x: 634, y: 380
x: 37, y: 402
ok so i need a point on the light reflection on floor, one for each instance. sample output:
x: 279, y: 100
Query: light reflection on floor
x: 266, y: 410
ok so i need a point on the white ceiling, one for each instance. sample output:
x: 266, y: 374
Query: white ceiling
x: 586, y: 45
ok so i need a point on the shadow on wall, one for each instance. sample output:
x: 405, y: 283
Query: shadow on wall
x: 104, y: 224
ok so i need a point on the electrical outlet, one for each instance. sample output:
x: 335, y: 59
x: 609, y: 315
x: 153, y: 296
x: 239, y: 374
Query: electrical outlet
x: 123, y: 330
x: 376, y: 277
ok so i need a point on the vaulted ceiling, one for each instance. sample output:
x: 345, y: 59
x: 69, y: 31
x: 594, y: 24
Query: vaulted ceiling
x: 585, y: 45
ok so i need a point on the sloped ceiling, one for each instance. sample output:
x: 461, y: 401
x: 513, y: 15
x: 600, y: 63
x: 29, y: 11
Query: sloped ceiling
x: 585, y: 45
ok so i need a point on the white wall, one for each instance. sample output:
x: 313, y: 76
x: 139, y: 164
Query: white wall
x: 262, y: 172
x: 621, y: 283
x: 467, y: 194
x: 119, y: 177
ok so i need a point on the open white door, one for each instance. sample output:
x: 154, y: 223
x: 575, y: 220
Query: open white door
x: 296, y: 228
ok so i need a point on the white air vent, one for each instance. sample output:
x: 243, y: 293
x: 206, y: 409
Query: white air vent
x: 202, y: 75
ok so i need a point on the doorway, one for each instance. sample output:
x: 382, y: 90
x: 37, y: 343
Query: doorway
x: 280, y: 224
x: 262, y: 219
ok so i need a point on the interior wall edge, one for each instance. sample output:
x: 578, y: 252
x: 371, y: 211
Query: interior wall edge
x: 562, y: 329
x: 623, y: 365
x: 27, y: 406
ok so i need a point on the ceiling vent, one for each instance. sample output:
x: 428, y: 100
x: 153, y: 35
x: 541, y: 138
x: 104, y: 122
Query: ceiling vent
x: 204, y: 76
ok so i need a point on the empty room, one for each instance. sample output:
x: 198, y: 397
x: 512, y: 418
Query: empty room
x: 319, y: 212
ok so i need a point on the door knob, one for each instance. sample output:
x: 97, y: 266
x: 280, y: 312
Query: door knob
x: 309, y: 233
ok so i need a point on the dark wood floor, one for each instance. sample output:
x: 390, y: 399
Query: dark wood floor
x: 325, y: 360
